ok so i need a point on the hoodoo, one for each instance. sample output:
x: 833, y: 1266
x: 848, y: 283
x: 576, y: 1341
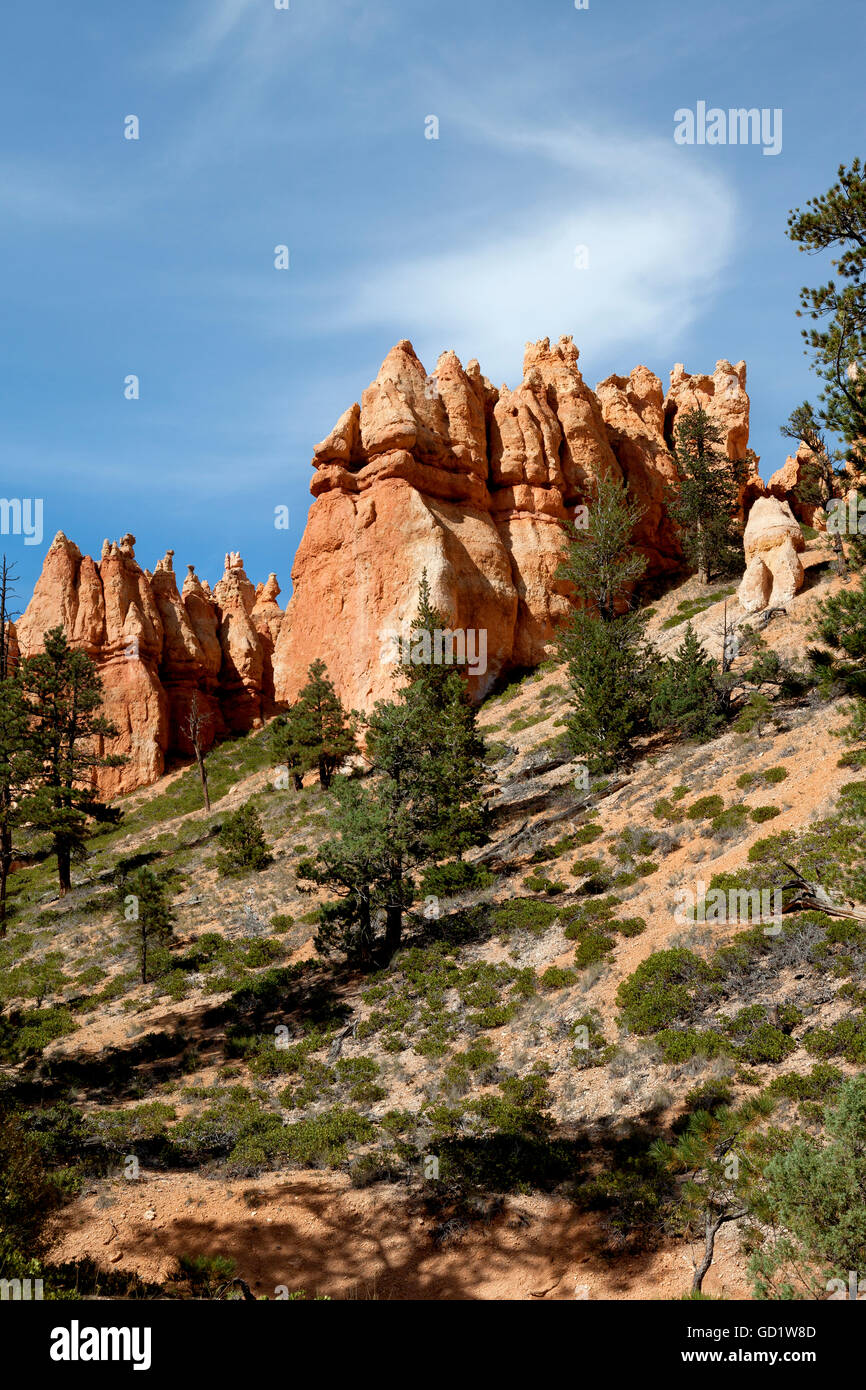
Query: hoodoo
x: 154, y: 647
x: 441, y: 473
x: 447, y: 474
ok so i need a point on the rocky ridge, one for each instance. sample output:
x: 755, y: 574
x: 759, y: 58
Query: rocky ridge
x: 474, y: 484
x: 440, y: 473
x: 155, y: 646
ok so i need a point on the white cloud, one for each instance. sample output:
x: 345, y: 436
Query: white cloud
x: 658, y: 230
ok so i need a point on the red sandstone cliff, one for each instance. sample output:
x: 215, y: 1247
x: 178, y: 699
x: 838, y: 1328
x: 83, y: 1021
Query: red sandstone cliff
x: 446, y: 473
x: 154, y: 647
x: 443, y: 473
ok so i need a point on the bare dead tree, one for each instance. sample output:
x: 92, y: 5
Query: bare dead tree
x: 195, y: 726
x: 7, y: 615
x: 7, y: 576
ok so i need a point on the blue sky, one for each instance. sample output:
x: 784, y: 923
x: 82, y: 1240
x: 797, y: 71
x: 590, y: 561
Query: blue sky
x: 306, y: 127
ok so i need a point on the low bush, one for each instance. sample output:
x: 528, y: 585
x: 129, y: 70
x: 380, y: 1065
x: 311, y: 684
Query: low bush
x: 447, y: 880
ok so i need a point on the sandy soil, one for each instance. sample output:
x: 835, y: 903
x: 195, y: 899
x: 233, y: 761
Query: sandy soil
x: 314, y: 1231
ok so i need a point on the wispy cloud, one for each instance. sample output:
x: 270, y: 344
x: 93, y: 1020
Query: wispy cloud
x: 254, y: 38
x: 657, y: 231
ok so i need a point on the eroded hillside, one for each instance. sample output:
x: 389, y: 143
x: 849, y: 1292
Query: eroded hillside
x: 477, y: 1119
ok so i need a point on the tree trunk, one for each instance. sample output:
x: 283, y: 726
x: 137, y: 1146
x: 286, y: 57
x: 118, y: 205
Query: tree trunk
x: 703, y: 562
x: 324, y: 773
x: 299, y: 781
x: 64, y: 868
x: 5, y: 867
x: 712, y: 1229
x: 841, y: 559
x: 202, y: 772
x: 365, y: 936
x: 393, y: 928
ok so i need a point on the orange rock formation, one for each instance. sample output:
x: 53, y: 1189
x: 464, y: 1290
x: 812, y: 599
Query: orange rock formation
x: 154, y: 647
x: 440, y: 473
x: 446, y: 473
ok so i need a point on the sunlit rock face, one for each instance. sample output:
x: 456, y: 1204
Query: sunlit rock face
x: 155, y: 647
x: 444, y: 473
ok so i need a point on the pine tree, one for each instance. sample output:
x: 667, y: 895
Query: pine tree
x: 836, y: 221
x: 242, y: 841
x: 442, y: 722
x: 17, y: 765
x: 601, y: 563
x: 287, y: 749
x: 325, y: 735
x: 717, y: 1180
x: 854, y: 734
x: 144, y: 899
x: 755, y: 713
x: 423, y: 803
x: 811, y: 1203
x: 841, y: 621
x: 604, y: 644
x: 363, y: 862
x: 685, y: 695
x: 704, y: 504
x: 63, y: 692
x: 609, y: 674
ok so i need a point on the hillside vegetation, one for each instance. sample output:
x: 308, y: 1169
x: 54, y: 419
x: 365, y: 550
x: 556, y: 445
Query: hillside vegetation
x: 560, y: 1060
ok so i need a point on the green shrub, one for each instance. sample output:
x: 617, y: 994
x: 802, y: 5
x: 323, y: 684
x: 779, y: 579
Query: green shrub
x: 447, y: 880
x: 845, y: 1038
x: 323, y: 1140
x: 733, y: 818
x: 820, y: 1084
x: 682, y: 1044
x: 760, y: 814
x: 494, y: 1016
x: 629, y: 926
x: 555, y: 977
x: 711, y: 1095
x: 594, y: 945
x: 524, y: 914
x: 660, y: 990
x: 582, y: 867
x: 120, y: 1130
x: 759, y: 1041
x: 705, y: 807
x: 25, y: 1032
x: 596, y: 884
x: 586, y: 834
x: 537, y: 883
